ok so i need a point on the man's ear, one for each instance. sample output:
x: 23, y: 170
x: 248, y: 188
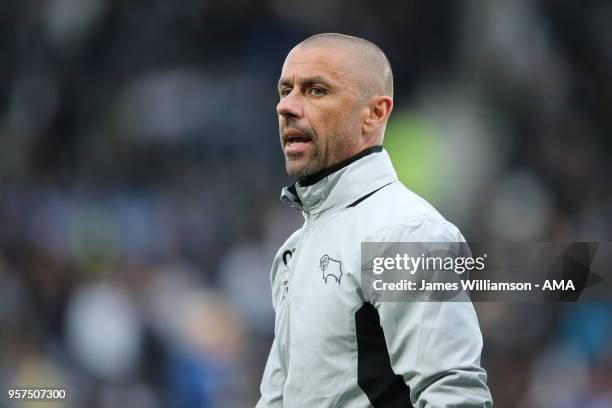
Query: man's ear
x: 379, y: 110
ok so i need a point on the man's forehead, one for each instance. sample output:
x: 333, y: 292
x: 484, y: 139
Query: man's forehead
x: 316, y: 61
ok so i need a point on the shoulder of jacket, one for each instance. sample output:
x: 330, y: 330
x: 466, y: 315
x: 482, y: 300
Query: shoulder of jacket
x: 398, y: 200
x: 421, y: 227
x: 400, y: 212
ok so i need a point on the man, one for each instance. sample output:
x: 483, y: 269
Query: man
x: 334, y: 346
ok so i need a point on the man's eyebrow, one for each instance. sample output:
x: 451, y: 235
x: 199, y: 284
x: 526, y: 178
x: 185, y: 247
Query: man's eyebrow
x: 282, y: 82
x: 305, y: 82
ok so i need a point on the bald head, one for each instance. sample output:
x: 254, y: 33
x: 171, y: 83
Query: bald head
x: 369, y: 64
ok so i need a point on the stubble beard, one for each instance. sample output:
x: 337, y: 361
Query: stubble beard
x: 306, y: 163
x: 318, y: 160
x: 306, y: 166
x: 339, y: 146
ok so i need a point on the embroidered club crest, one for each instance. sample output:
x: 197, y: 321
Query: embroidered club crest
x: 331, y: 267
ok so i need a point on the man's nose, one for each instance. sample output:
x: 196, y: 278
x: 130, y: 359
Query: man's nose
x: 290, y: 106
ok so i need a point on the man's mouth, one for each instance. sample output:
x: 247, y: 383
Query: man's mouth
x: 297, y: 139
x: 296, y: 142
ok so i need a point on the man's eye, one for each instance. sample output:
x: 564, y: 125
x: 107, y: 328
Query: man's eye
x: 285, y: 92
x: 317, y: 91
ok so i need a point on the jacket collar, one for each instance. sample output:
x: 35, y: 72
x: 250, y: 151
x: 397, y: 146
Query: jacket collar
x: 342, y: 184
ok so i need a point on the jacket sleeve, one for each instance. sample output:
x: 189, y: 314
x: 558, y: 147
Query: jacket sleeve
x: 272, y: 382
x: 274, y: 375
x: 435, y: 346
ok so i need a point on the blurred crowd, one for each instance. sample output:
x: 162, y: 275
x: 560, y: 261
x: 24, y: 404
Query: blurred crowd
x: 140, y: 172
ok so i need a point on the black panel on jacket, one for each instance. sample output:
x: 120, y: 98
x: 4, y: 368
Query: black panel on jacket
x: 375, y: 375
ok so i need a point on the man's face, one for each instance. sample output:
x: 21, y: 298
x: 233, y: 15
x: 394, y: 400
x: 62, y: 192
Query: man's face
x: 320, y: 110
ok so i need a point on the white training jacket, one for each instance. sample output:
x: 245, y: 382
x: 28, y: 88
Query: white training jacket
x: 335, y: 347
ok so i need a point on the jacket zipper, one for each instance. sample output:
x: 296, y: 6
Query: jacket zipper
x: 294, y: 262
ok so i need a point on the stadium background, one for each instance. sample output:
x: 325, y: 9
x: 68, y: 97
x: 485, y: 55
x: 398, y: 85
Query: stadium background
x: 140, y: 172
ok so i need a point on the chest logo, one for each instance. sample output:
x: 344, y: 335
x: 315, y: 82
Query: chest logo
x: 331, y: 267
